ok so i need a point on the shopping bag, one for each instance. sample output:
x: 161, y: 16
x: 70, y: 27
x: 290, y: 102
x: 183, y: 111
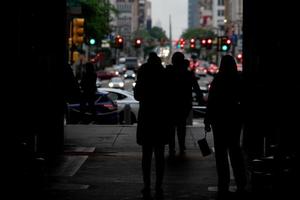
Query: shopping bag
x: 204, y: 147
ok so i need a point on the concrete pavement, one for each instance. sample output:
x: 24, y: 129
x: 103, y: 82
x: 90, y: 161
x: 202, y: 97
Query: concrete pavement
x: 104, y: 162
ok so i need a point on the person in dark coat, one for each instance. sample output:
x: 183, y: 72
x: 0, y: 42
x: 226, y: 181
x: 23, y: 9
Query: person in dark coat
x: 88, y: 90
x: 225, y: 117
x: 152, y: 129
x: 182, y: 83
x: 71, y: 89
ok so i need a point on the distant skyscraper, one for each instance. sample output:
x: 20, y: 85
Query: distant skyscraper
x: 148, y: 15
x: 193, y: 13
x: 199, y: 13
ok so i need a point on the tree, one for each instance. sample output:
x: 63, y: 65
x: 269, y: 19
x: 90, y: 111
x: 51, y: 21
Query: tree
x: 97, y: 16
x: 197, y: 33
x: 158, y: 33
x: 151, y: 38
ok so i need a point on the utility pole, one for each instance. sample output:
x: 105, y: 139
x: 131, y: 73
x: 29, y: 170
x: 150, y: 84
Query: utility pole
x: 170, y: 33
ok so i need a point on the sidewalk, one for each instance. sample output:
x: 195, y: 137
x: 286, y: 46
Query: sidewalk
x: 104, y: 162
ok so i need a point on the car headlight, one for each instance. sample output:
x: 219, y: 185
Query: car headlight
x: 110, y: 84
x: 121, y: 84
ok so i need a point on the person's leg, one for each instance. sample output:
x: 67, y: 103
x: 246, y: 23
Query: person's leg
x: 82, y: 107
x: 146, y: 167
x: 172, y: 141
x: 237, y: 161
x: 222, y: 163
x: 181, y: 133
x: 160, y: 165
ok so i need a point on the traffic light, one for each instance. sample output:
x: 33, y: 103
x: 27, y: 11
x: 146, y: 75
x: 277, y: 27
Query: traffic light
x: 239, y: 57
x: 137, y: 43
x: 92, y: 41
x: 203, y: 42
x: 177, y: 44
x: 181, y: 43
x: 192, y: 43
x: 119, y: 42
x: 225, y: 44
x: 209, y: 42
x: 78, y: 31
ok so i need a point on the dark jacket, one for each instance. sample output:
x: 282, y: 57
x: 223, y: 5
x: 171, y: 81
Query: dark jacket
x: 224, y: 101
x: 150, y: 91
x: 182, y: 83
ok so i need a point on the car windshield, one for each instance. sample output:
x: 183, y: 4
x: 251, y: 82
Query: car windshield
x: 117, y: 79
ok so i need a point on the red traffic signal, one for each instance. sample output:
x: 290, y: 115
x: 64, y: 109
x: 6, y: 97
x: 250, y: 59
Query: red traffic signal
x: 192, y: 43
x: 239, y: 57
x: 182, y: 43
x: 119, y: 42
x: 225, y: 44
x: 137, y: 43
x: 203, y: 42
x: 209, y: 42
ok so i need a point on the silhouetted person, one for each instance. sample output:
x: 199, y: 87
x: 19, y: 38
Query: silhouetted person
x: 88, y: 91
x: 79, y: 66
x: 181, y: 83
x: 225, y: 117
x: 152, y: 133
x: 71, y: 88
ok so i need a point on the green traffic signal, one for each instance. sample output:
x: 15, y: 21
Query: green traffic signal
x: 92, y: 41
x: 225, y: 44
x: 224, y: 47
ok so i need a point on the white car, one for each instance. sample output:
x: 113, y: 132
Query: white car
x: 116, y: 82
x: 123, y: 98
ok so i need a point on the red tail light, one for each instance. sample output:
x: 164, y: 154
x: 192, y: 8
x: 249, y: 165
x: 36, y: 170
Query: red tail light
x: 109, y: 106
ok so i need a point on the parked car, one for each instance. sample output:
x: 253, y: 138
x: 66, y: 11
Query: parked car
x: 123, y: 97
x: 106, y: 111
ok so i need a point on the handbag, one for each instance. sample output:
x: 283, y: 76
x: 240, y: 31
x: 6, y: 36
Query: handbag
x: 204, y: 147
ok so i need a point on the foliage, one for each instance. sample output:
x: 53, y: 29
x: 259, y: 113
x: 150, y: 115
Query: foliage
x: 197, y: 33
x: 150, y: 38
x: 97, y: 16
x: 157, y: 33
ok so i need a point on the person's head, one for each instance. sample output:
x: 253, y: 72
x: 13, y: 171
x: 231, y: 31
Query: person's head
x: 153, y: 58
x: 177, y: 58
x: 228, y: 66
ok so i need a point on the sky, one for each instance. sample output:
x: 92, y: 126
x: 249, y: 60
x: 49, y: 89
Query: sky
x: 163, y: 9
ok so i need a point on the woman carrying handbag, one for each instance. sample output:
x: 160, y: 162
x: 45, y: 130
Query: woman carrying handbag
x: 224, y: 117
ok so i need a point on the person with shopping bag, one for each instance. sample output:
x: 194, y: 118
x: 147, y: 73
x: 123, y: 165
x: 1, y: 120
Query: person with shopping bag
x: 224, y: 117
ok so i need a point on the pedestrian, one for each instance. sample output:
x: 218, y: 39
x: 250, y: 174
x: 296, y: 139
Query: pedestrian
x: 71, y: 89
x: 182, y: 82
x: 88, y: 91
x: 225, y: 118
x: 152, y: 129
x: 79, y: 66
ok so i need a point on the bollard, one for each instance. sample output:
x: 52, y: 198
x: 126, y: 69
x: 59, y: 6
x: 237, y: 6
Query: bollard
x: 127, y: 114
x: 189, y: 120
